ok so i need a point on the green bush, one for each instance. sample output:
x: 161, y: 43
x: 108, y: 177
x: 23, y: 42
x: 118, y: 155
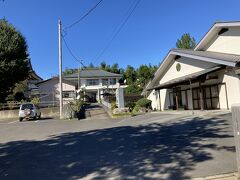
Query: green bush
x: 113, y: 105
x: 130, y: 105
x: 136, y: 109
x: 77, y: 105
x: 35, y: 101
x: 146, y: 103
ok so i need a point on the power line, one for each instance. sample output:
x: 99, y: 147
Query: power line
x: 84, y: 16
x: 71, y: 53
x: 118, y: 29
x: 74, y: 57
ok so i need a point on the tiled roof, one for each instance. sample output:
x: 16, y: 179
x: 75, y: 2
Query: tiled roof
x: 92, y: 73
x: 209, y: 54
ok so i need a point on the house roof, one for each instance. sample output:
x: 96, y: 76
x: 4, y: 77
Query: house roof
x: 32, y: 74
x: 56, y: 78
x: 214, y: 57
x: 186, y: 78
x: 199, y: 54
x: 92, y: 73
x: 214, y: 30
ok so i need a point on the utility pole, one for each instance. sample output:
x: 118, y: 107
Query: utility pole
x: 79, y: 76
x: 60, y: 66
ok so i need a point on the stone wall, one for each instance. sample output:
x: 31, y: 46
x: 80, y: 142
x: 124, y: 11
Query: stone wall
x: 46, y: 112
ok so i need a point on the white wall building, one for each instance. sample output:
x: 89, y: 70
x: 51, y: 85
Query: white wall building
x: 204, y: 78
x: 50, y: 91
x: 95, y: 81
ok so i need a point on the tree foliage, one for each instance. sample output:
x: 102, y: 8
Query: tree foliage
x: 14, y: 62
x: 130, y: 75
x: 186, y: 42
x: 145, y: 73
x: 69, y: 71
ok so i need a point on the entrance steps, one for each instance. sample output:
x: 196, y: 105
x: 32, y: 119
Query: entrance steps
x: 95, y: 111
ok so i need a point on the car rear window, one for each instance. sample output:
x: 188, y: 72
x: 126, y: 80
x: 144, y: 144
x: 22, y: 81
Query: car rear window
x: 27, y: 106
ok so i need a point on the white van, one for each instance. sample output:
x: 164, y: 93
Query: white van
x: 29, y: 110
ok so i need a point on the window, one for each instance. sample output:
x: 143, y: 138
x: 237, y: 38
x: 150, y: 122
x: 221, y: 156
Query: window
x: 104, y: 82
x: 92, y: 82
x: 68, y: 94
x: 113, y: 81
x: 27, y: 106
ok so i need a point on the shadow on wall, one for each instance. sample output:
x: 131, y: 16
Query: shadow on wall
x: 124, y: 152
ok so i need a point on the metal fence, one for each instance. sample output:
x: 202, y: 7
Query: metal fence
x: 15, y: 105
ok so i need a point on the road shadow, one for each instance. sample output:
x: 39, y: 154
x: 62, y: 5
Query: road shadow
x: 154, y: 151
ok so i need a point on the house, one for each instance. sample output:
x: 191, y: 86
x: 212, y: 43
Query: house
x: 49, y: 91
x: 94, y: 82
x: 204, y: 78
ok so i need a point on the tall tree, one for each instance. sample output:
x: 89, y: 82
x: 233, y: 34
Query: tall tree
x: 131, y: 75
x: 114, y: 68
x: 14, y: 62
x: 144, y: 74
x: 186, y: 42
x: 103, y: 65
x: 69, y: 71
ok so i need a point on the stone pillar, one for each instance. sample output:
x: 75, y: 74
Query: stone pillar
x: 120, y: 97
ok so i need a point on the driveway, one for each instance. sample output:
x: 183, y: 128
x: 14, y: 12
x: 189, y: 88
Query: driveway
x: 151, y: 146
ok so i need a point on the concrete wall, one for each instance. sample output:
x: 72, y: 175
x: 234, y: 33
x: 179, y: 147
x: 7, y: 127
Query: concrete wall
x: 13, y: 114
x: 233, y: 88
x: 188, y: 66
x: 154, y: 97
x: 228, y: 42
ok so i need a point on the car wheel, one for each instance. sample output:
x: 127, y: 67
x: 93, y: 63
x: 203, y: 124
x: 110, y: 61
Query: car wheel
x: 20, y: 119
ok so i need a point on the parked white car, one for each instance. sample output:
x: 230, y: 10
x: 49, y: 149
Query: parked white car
x: 29, y: 110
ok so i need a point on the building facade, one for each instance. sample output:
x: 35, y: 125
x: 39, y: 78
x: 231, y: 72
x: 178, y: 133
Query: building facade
x: 49, y: 91
x: 204, y: 78
x: 94, y: 82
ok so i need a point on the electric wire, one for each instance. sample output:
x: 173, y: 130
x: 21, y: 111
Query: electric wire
x: 84, y: 16
x: 118, y: 29
x: 74, y: 57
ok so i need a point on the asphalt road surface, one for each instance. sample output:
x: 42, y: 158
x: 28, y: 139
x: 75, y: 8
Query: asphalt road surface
x: 151, y: 146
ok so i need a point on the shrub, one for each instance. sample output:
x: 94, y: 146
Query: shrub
x: 130, y: 105
x: 113, y: 105
x: 144, y: 103
x: 136, y: 109
x: 35, y: 101
x: 77, y: 105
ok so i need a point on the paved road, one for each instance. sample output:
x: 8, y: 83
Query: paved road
x: 151, y: 146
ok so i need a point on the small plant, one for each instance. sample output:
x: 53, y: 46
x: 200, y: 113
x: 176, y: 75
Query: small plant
x: 35, y: 101
x: 114, y: 105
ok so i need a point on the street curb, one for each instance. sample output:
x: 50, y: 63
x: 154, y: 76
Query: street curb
x: 229, y: 176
